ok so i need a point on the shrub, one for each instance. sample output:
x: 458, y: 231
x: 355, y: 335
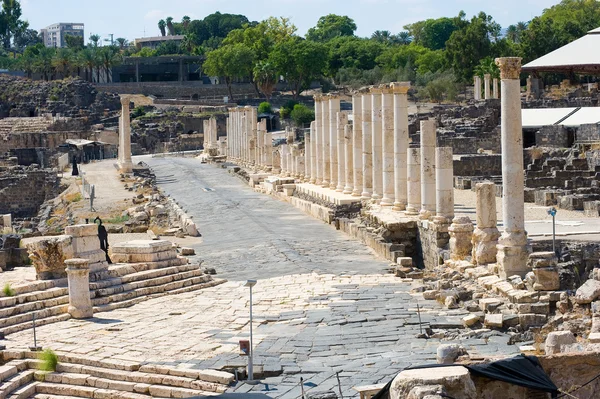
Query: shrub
x: 138, y: 112
x: 302, y: 115
x: 265, y: 108
x: 8, y: 291
x: 49, y: 360
x: 117, y: 219
x: 286, y: 109
x: 73, y: 197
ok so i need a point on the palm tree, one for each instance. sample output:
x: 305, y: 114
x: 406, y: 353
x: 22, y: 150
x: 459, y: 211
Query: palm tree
x: 189, y: 42
x: 110, y: 56
x: 87, y: 59
x: 403, y: 38
x: 170, y: 26
x: 63, y: 62
x: 122, y: 42
x: 95, y: 39
x: 43, y: 62
x: 162, y: 25
x: 185, y: 21
x: 512, y: 34
x: 382, y: 36
x: 265, y: 75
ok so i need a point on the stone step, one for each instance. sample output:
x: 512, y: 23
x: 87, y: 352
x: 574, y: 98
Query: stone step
x: 39, y: 315
x: 38, y: 322
x: 33, y: 296
x: 84, y: 392
x: 130, y: 298
x: 8, y: 386
x: 25, y: 391
x: 147, y: 279
x: 33, y: 286
x: 131, y: 273
x: 31, y: 306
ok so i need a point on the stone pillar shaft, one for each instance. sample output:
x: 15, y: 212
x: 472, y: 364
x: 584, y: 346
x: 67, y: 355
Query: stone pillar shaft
x: 387, y: 128
x: 78, y: 273
x: 428, y: 142
x: 495, y: 88
x: 357, y: 145
x: 486, y: 85
x: 367, y: 146
x: 308, y: 153
x: 125, y: 164
x: 376, y: 131
x: 477, y: 88
x: 486, y: 234
x: 512, y: 246
x: 316, y: 175
x: 444, y: 179
x: 414, y: 181
x: 342, y: 122
x: 334, y: 108
x: 400, y: 145
x: 348, y: 157
x: 326, y: 145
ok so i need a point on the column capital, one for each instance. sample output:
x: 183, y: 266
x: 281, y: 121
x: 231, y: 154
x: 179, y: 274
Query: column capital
x: 510, y: 67
x: 318, y: 98
x: 386, y: 88
x: 487, y: 76
x: 363, y: 90
x: 333, y: 96
x: 125, y: 100
x: 375, y: 90
x: 400, y: 87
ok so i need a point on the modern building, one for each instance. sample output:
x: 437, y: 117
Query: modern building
x: 55, y: 35
x: 154, y: 42
x: 169, y: 68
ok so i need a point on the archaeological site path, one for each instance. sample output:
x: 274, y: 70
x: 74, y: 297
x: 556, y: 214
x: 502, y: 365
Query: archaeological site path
x: 324, y: 303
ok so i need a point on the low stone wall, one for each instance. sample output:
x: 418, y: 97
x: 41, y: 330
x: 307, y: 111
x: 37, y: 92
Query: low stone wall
x: 477, y: 165
x: 23, y: 190
x: 192, y: 90
x: 433, y: 238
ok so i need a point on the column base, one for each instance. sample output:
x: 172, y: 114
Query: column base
x: 485, y: 242
x: 125, y: 167
x: 325, y: 184
x: 386, y: 202
x: 332, y: 186
x: 398, y: 206
x: 312, y: 180
x: 339, y: 189
x: 347, y: 190
x: 512, y: 260
x: 424, y: 214
x: 411, y: 210
x: 77, y: 313
x: 365, y: 195
x: 356, y: 192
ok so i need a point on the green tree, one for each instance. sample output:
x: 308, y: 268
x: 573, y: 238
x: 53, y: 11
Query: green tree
x: 63, y: 62
x: 265, y: 108
x: 232, y: 61
x: 330, y: 26
x: 433, y: 33
x: 302, y: 115
x: 486, y: 66
x: 352, y: 52
x: 185, y: 21
x: 43, y: 63
x: 170, y: 26
x: 28, y: 37
x: 266, y: 76
x: 300, y: 61
x: 94, y: 40
x: 122, y: 42
x: 10, y: 22
x: 169, y: 47
x: 162, y: 25
x: 89, y: 60
x: 74, y: 42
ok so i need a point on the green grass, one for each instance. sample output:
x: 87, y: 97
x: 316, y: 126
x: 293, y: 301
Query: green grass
x: 49, y: 360
x: 8, y: 291
x: 117, y: 219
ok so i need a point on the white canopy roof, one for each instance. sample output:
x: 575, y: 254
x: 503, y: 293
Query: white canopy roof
x: 579, y: 56
x: 583, y: 116
x: 536, y: 118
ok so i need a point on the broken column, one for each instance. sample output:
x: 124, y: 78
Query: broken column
x: 357, y: 155
x: 125, y: 164
x: 485, y: 236
x: 414, y: 181
x: 461, y: 232
x: 428, y: 194
x: 80, y: 304
x: 495, y: 88
x: 477, y: 88
x: 400, y: 144
x: 348, y: 139
x: 512, y: 246
x: 544, y: 266
x: 377, y: 149
x: 326, y: 163
x: 334, y: 108
x: 486, y: 86
x: 444, y: 180
x: 387, y: 143
x: 367, y: 145
x: 342, y: 121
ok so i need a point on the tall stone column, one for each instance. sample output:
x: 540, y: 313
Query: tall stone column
x: 400, y: 144
x: 205, y: 140
x: 334, y: 108
x: 268, y: 145
x: 342, y: 121
x: 326, y: 142
x: 367, y: 144
x: 387, y: 144
x: 125, y: 164
x: 428, y: 194
x: 486, y: 85
x: 414, y: 181
x: 377, y: 136
x: 357, y: 144
x: 444, y: 180
x: 512, y: 246
x: 308, y: 153
x: 253, y: 133
x: 477, y: 92
x: 495, y: 88
x: 317, y: 175
x: 313, y: 153
x: 78, y: 277
x: 486, y: 234
x: 260, y: 147
x: 349, y: 158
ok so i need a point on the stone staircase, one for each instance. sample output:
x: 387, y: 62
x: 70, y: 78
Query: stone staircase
x: 122, y: 285
x: 25, y: 125
x: 86, y: 377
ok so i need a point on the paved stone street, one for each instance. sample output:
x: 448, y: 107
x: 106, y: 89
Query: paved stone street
x: 323, y: 303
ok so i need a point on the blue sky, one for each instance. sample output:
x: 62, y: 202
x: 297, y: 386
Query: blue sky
x: 133, y: 18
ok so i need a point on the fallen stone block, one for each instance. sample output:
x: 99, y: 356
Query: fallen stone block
x: 588, y: 292
x: 188, y: 251
x: 493, y: 320
x: 556, y: 341
x: 470, y: 320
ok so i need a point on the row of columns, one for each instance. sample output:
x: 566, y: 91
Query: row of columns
x: 248, y: 141
x: 490, y: 87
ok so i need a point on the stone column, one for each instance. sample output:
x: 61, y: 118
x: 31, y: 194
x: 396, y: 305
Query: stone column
x: 357, y: 144
x: 400, y: 144
x: 367, y: 145
x: 260, y: 147
x: 316, y: 153
x: 308, y: 153
x: 486, y: 85
x: 313, y: 153
x: 78, y: 276
x: 268, y: 145
x: 414, y: 181
x: 428, y: 195
x: 253, y: 133
x: 512, y: 246
x: 125, y: 164
x: 377, y: 136
x: 206, y: 136
x: 334, y: 108
x: 444, y: 179
x: 349, y: 157
x: 485, y: 236
x: 326, y: 162
x: 387, y: 144
x: 461, y: 231
x: 495, y: 88
x: 213, y: 132
x: 477, y: 92
x: 342, y: 122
